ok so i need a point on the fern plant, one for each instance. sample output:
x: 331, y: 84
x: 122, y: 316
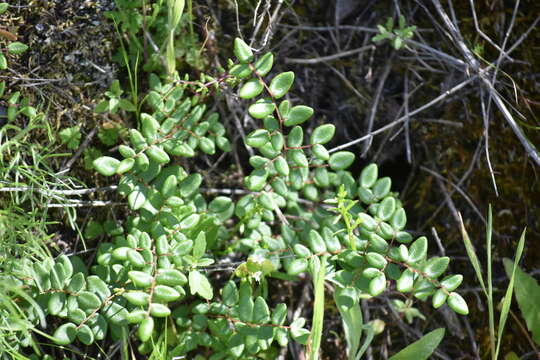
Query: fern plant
x: 303, y: 213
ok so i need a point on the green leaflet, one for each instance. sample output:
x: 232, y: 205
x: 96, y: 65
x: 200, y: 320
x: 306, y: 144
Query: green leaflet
x: 229, y: 293
x: 457, y: 303
x: 386, y: 208
x: 137, y: 298
x: 106, y: 165
x: 149, y: 126
x: 145, y: 329
x: 251, y: 89
x: 436, y: 266
x: 136, y: 199
x: 376, y: 260
x: 258, y: 138
x: 297, y: 266
x: 263, y: 65
x: 439, y: 298
x: 125, y: 166
x: 451, y: 282
x: 85, y: 335
x: 199, y: 284
x: 297, y: 115
x: 367, y: 222
x: 77, y: 283
x: 320, y: 152
x: 136, y: 316
x: 136, y: 259
x: 281, y: 166
x: 369, y: 175
x: 157, y: 154
x: 281, y: 84
x: 17, y: 48
x: 65, y: 334
x: 98, y: 286
x: 170, y: 277
x: 377, y: 285
x: 245, y: 304
x: 140, y: 279
x: 159, y: 310
x: 399, y: 219
x: 242, y: 51
x: 165, y: 293
x: 240, y: 71
x: 316, y: 242
x: 261, y: 109
x: 261, y: 312
x: 88, y: 300
x: 190, y: 185
x: 322, y: 134
x: 298, y: 333
x: 341, y: 160
x: 405, y: 281
x: 418, y: 250
x: 381, y: 188
x: 56, y: 303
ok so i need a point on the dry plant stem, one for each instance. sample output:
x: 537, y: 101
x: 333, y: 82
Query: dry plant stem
x: 438, y: 54
x: 458, y: 189
x: 470, y: 334
x: 329, y: 57
x: 486, y: 138
x: 297, y: 352
x: 485, y: 81
x: 407, y: 135
x: 258, y: 24
x: 403, y: 118
x: 47, y: 192
x: 78, y: 204
x: 156, y: 49
x: 348, y: 84
x: 438, y: 240
x: 483, y: 35
x: 460, y: 182
x: 525, y: 333
x: 78, y: 153
x: 375, y: 103
x: 268, y: 34
x: 331, y: 28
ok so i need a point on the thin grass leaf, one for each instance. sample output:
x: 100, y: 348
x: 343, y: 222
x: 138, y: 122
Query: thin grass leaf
x: 491, y: 313
x: 509, y: 291
x: 370, y: 334
x: 472, y: 255
x: 318, y: 310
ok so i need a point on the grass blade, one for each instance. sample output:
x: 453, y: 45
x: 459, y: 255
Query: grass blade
x: 318, y: 310
x: 509, y: 291
x: 472, y: 255
x: 491, y: 313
